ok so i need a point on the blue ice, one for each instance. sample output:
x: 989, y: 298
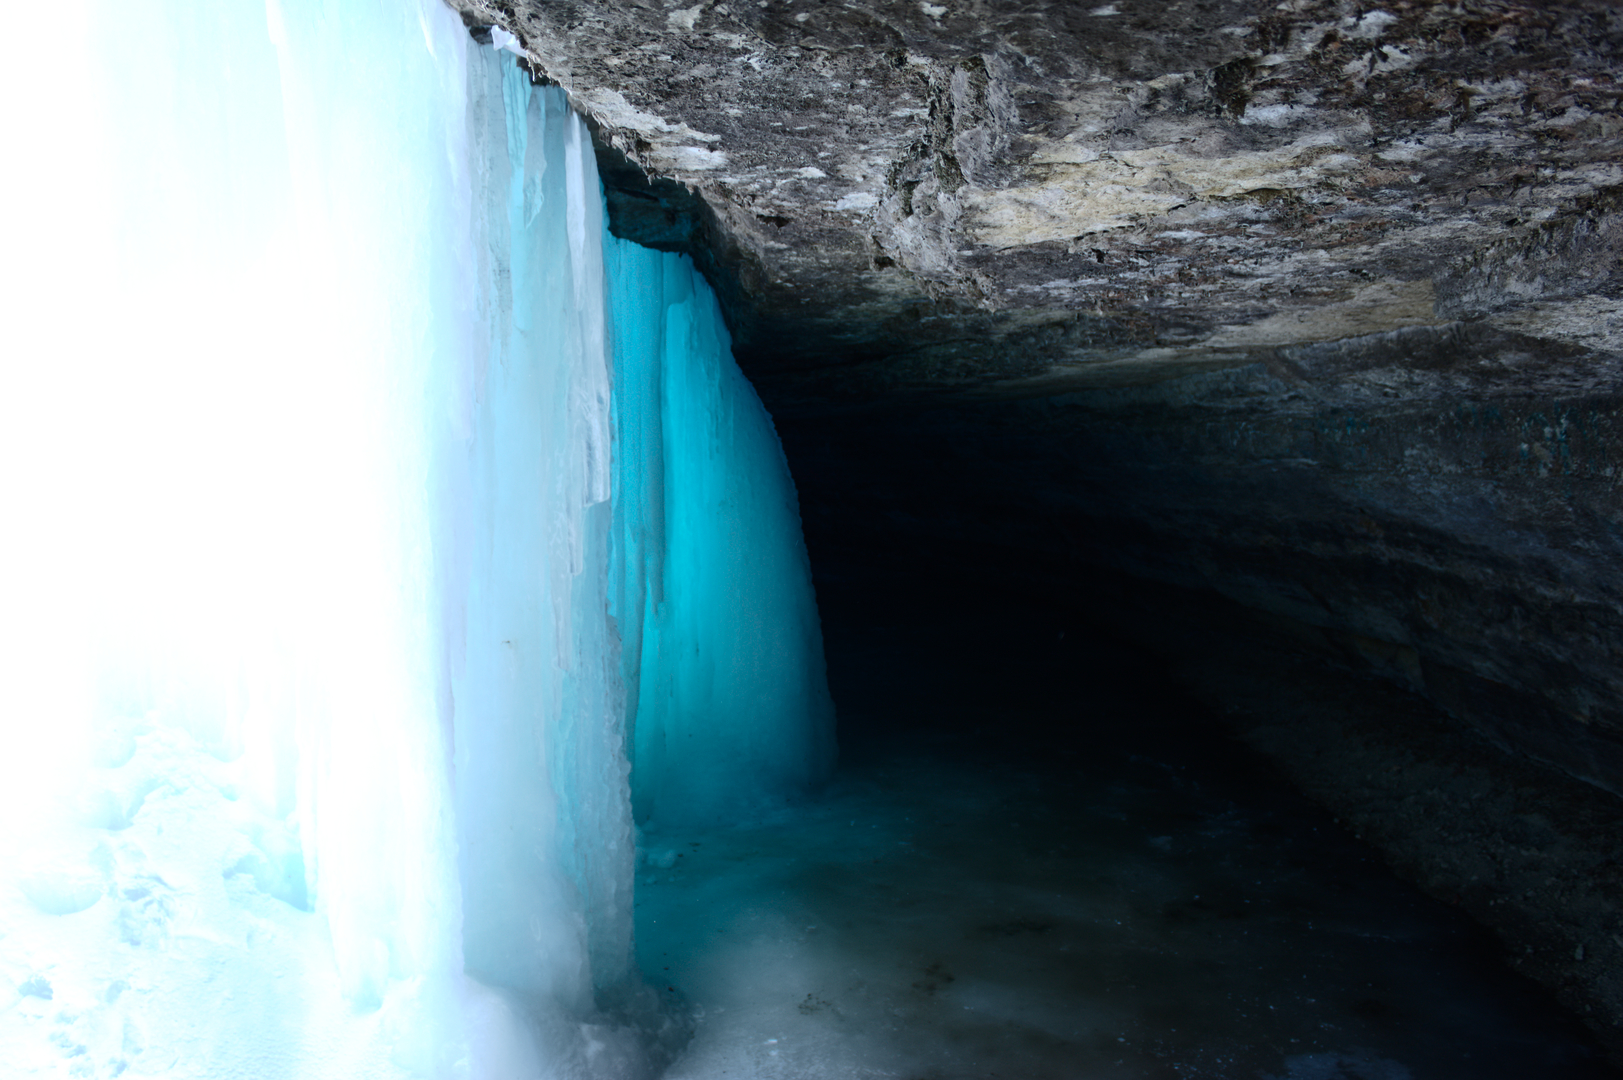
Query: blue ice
x: 722, y: 652
x: 386, y: 539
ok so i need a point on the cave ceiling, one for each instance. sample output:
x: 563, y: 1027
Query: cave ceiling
x: 910, y: 196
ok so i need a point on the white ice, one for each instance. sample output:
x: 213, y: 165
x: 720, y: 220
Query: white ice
x: 316, y: 718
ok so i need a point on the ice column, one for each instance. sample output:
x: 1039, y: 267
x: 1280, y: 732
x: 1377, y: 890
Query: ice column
x: 723, y: 650
x: 542, y: 811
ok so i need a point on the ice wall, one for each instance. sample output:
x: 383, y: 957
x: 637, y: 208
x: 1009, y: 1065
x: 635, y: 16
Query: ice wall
x: 724, y: 652
x: 320, y: 490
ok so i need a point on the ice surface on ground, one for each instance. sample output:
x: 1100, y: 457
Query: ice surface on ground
x: 315, y: 730
x: 956, y: 916
x: 1007, y: 878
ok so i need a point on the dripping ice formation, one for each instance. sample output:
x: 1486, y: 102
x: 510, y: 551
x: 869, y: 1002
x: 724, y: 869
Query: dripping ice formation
x: 724, y: 655
x: 386, y: 539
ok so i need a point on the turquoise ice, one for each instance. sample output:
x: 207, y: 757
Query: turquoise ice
x: 722, y: 649
x: 385, y: 540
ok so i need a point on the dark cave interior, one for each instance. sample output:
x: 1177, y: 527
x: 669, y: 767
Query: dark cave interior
x: 1161, y: 738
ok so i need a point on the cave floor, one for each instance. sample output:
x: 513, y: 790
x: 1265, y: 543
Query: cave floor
x: 1036, y: 861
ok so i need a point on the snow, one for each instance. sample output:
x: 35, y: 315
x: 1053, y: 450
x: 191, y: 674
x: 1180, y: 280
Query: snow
x: 318, y: 470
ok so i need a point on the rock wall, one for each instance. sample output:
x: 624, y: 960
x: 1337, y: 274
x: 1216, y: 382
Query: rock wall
x: 1460, y: 539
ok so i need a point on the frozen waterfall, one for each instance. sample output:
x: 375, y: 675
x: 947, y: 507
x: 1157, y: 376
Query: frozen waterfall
x: 723, y: 654
x: 384, y: 537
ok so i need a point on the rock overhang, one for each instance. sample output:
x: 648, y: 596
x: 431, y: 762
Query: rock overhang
x: 885, y: 181
x: 1338, y: 260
